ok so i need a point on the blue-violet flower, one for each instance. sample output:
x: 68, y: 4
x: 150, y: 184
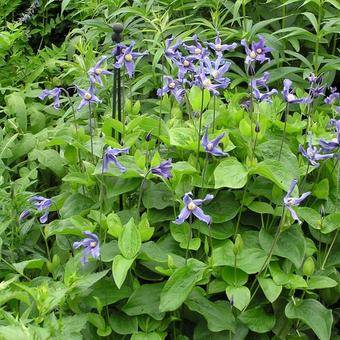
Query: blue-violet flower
x: 97, y: 71
x: 211, y: 146
x: 54, y: 93
x: 90, y: 245
x: 110, y: 156
x: 163, y: 169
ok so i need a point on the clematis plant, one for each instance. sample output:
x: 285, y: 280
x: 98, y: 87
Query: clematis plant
x: 42, y: 204
x: 219, y: 48
x: 290, y: 97
x: 311, y: 153
x: 163, y: 169
x: 255, y: 83
x: 87, y: 96
x: 211, y: 146
x: 217, y: 69
x: 171, y: 51
x: 197, y: 50
x: 54, y: 93
x: 174, y: 87
x: 335, y: 143
x: 257, y: 52
x: 110, y: 156
x: 126, y: 57
x: 90, y: 245
x: 193, y: 207
x: 289, y: 201
x: 95, y: 73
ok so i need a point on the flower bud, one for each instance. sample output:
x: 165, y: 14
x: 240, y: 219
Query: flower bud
x: 257, y: 127
x: 308, y: 266
x: 238, y: 245
x: 148, y: 136
x: 117, y: 27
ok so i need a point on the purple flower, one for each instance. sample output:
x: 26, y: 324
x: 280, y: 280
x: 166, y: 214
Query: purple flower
x: 219, y: 48
x: 185, y: 64
x: 54, y: 93
x: 257, y: 51
x: 203, y: 82
x: 24, y: 215
x: 217, y: 70
x: 333, y: 96
x: 315, y: 89
x: 255, y: 83
x: 289, y: 97
x: 335, y: 143
x: 42, y: 204
x: 87, y: 97
x: 312, y: 153
x: 211, y: 146
x: 110, y: 156
x: 127, y: 57
x: 290, y: 201
x: 163, y: 169
x: 197, y: 50
x: 97, y: 71
x: 90, y: 245
x: 192, y: 207
x: 171, y: 52
x: 174, y: 87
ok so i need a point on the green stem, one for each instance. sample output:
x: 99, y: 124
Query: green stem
x: 284, y: 129
x: 189, y: 239
x: 141, y: 189
x: 91, y: 134
x: 329, y: 250
x: 199, y: 129
x: 240, y: 211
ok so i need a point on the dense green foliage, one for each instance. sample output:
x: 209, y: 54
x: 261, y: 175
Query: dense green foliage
x: 253, y: 273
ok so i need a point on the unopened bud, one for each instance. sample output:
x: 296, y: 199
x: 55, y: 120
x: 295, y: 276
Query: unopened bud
x: 257, y: 127
x: 148, y: 136
x: 238, y: 245
x: 322, y: 211
x: 308, y: 266
x: 117, y: 27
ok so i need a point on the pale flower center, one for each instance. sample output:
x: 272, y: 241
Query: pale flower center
x: 99, y: 71
x: 198, y: 50
x: 210, y: 146
x: 291, y: 97
x: 218, y: 47
x: 206, y: 83
x: 259, y: 50
x: 172, y: 85
x: 186, y: 63
x: 215, y: 74
x: 93, y: 244
x: 191, y: 206
x: 252, y: 55
x: 88, y: 96
x: 128, y: 57
x: 170, y: 50
x: 290, y: 201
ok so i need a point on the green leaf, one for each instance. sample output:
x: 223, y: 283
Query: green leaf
x: 230, y: 173
x: 270, y: 289
x: 64, y: 4
x: 182, y: 233
x: 16, y: 107
x: 250, y: 260
x: 321, y: 189
x: 120, y: 268
x: 29, y: 264
x: 277, y: 172
x: 123, y: 324
x: 52, y: 160
x: 224, y: 208
x: 261, y: 207
x: 239, y: 295
x: 180, y: 284
x: 145, y: 230
x: 320, y: 282
x: 290, y: 244
x: 258, y: 320
x: 75, y: 204
x: 195, y: 99
x: 218, y: 314
x: 156, y: 195
x: 129, y: 241
x: 145, y: 300
x: 314, y: 314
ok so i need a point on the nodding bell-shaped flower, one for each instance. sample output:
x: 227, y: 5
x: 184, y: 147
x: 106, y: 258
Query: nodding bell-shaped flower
x: 212, y: 146
x: 193, y: 207
x: 90, y: 245
x: 95, y: 73
x: 289, y: 201
x: 289, y: 97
